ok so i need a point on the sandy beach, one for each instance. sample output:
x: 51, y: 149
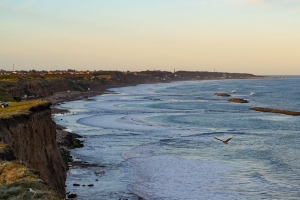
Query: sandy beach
x: 64, y: 96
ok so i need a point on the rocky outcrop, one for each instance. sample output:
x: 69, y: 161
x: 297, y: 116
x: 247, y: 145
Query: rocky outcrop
x: 6, y: 152
x: 238, y: 100
x: 32, y: 138
x: 222, y: 94
x: 286, y: 112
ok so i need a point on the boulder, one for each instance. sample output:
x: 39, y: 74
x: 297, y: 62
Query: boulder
x: 222, y: 94
x: 238, y: 100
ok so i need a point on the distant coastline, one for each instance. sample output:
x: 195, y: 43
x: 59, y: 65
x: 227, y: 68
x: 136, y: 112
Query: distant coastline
x: 58, y: 88
x: 42, y: 84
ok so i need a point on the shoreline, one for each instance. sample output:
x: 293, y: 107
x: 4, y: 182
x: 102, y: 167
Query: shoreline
x: 68, y: 96
x: 61, y: 97
x: 65, y: 140
x: 64, y: 137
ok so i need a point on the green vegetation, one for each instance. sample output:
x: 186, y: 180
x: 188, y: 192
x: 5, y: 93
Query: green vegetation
x: 66, y: 156
x: 4, y: 96
x: 16, y: 179
x: 19, y: 108
x: 76, y: 143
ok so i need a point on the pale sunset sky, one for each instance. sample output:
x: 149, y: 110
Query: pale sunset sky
x: 261, y: 37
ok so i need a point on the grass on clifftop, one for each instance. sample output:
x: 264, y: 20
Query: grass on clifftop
x: 16, y: 179
x: 19, y: 108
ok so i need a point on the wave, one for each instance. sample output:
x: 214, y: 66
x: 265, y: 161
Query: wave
x: 169, y: 177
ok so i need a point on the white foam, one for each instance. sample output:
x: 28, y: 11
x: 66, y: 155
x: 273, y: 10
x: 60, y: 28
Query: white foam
x: 119, y: 122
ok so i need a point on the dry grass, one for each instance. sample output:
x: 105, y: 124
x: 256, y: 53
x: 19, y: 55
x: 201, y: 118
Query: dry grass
x: 16, y: 179
x: 12, y: 172
x: 19, y: 108
x: 3, y: 146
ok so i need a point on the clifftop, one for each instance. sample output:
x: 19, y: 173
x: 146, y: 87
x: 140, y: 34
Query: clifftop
x: 22, y: 108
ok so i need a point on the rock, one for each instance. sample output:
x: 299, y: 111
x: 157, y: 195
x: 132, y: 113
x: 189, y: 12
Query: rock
x: 72, y: 196
x: 286, y: 112
x: 222, y: 94
x: 90, y: 185
x: 99, y: 173
x: 76, y: 184
x: 237, y: 100
x: 6, y: 152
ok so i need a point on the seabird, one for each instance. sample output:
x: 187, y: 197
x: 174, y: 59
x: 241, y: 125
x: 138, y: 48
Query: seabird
x: 32, y: 191
x: 224, y: 141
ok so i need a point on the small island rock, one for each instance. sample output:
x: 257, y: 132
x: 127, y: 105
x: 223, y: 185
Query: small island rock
x: 238, y: 100
x: 222, y: 94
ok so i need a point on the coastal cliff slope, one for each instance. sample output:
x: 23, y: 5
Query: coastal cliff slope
x: 32, y: 137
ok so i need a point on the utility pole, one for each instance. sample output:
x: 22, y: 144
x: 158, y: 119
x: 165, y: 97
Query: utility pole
x: 13, y: 67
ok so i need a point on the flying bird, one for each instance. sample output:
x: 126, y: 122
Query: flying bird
x: 224, y: 141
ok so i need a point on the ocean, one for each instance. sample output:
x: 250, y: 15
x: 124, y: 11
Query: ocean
x: 156, y: 141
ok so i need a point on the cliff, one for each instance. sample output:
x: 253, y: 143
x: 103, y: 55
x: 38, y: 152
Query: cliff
x: 44, y: 85
x: 32, y: 137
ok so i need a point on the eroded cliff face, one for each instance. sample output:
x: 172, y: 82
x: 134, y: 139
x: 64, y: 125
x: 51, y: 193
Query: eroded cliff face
x: 32, y: 138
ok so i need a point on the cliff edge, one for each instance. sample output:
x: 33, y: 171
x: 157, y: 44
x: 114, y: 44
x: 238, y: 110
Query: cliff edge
x: 32, y: 138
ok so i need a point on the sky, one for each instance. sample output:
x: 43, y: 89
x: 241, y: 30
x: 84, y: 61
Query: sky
x: 261, y: 37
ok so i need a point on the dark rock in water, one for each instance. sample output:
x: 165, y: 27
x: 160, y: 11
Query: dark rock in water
x: 237, y: 100
x: 286, y: 112
x: 96, y: 180
x: 222, y: 94
x: 83, y: 164
x: 90, y: 185
x: 71, y: 196
x: 76, y: 184
x: 99, y: 173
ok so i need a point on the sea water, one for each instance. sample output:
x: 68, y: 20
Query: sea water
x: 156, y: 141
